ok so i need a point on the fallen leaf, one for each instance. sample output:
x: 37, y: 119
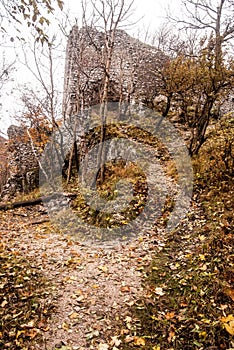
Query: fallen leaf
x: 227, y: 319
x: 171, y: 336
x: 159, y: 291
x: 43, y: 325
x: 139, y: 341
x: 4, y: 303
x: 230, y: 293
x: 202, y: 257
x: 229, y: 327
x: 65, y: 326
x: 103, y: 347
x: 32, y: 333
x: 170, y: 315
x: 30, y: 324
x: 103, y: 269
x: 74, y: 315
x: 125, y: 289
x: 228, y: 323
x: 115, y: 341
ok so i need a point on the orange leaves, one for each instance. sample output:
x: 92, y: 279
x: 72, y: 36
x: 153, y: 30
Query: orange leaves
x: 125, y: 289
x: 228, y: 323
x: 230, y: 293
x: 138, y: 341
x: 43, y: 325
x: 74, y: 316
x: 170, y: 315
x: 103, y: 269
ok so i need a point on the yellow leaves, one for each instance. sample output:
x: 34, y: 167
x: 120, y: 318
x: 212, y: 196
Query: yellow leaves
x: 154, y: 268
x: 138, y: 341
x: 156, y: 348
x: 202, y: 334
x: 155, y: 318
x: 175, y: 266
x: 206, y: 320
x: 31, y: 333
x: 202, y: 238
x: 74, y: 316
x: 202, y: 257
x: 228, y: 323
x: 103, y: 269
x: 65, y: 326
x: 70, y: 279
x: 73, y: 261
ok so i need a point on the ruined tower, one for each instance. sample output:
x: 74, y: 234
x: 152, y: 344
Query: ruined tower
x: 135, y: 70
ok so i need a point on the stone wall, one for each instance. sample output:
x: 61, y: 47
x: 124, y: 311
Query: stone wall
x: 134, y: 75
x: 23, y: 172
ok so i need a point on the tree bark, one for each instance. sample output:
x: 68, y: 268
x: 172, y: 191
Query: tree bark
x: 30, y: 202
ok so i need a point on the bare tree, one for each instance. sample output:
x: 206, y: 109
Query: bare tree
x: 108, y: 16
x: 214, y: 17
x: 5, y: 71
x: 42, y: 101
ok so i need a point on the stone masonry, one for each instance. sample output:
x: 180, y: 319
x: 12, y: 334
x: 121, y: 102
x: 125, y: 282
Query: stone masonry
x: 134, y: 78
x: 135, y: 70
x: 22, y: 163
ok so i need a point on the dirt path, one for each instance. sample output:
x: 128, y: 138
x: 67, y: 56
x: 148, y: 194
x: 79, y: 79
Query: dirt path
x: 90, y: 287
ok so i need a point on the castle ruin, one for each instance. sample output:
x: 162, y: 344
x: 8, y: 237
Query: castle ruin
x: 134, y: 73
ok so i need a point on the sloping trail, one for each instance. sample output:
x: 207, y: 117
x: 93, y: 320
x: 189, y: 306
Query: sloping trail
x: 90, y: 287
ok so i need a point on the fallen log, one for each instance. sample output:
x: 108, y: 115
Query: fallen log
x: 35, y: 201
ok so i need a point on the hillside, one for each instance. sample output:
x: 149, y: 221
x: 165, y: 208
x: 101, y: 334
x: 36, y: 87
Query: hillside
x: 142, y: 294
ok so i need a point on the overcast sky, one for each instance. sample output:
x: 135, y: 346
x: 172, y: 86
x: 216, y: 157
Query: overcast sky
x: 149, y: 15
